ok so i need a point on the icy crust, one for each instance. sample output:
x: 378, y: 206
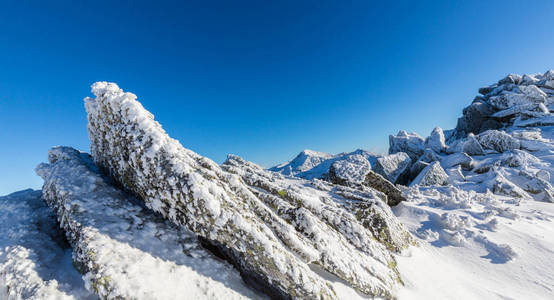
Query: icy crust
x: 33, y: 254
x: 123, y: 250
x: 193, y: 191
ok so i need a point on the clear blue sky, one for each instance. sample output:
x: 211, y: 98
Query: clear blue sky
x: 258, y: 79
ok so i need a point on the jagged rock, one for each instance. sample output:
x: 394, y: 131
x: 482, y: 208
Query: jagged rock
x: 475, y: 119
x: 431, y: 175
x: 355, y: 171
x: 511, y: 78
x: 409, y: 143
x: 392, y: 167
x: 378, y: 182
x: 498, y: 140
x: 456, y: 159
x: 429, y: 156
x: 541, y: 189
x: 500, y: 185
x: 343, y: 227
x: 273, y: 246
x: 416, y: 168
x: 455, y: 175
x: 351, y: 170
x: 436, y: 141
x: 471, y: 146
x: 118, y: 245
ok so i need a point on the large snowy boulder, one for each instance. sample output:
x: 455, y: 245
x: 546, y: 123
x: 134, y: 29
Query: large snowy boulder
x: 433, y: 174
x: 123, y: 250
x: 393, y: 167
x: 436, y: 141
x: 355, y: 171
x: 456, y: 159
x: 475, y: 119
x: 351, y: 170
x: 409, y: 143
x: 272, y: 245
x: 498, y: 140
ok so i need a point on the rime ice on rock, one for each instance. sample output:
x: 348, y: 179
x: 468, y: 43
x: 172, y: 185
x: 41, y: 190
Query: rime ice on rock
x: 393, y: 166
x: 124, y: 250
x: 193, y: 191
x: 431, y: 175
x: 409, y: 143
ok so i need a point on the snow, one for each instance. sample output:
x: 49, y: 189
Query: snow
x: 35, y: 261
x: 491, y: 249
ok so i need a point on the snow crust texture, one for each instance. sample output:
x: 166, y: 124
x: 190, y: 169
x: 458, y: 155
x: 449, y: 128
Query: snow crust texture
x: 273, y: 246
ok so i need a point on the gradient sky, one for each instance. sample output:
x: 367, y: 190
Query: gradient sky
x: 258, y: 79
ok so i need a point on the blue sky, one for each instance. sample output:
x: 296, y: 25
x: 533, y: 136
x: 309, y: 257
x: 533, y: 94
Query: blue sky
x: 258, y: 79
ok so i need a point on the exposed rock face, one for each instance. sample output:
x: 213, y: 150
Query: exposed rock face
x: 378, y: 182
x: 351, y: 170
x: 356, y: 171
x: 117, y: 245
x: 268, y: 230
x: 393, y: 167
x: 352, y: 211
x: 471, y: 146
x: 513, y: 99
x: 433, y: 174
x: 436, y: 140
x: 498, y: 140
x: 409, y: 143
x: 456, y: 159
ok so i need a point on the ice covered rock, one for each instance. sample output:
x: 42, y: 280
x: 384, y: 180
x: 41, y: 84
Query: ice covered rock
x: 378, y: 182
x: 431, y: 175
x: 272, y: 245
x: 192, y: 191
x: 123, y: 250
x: 436, y: 141
x: 456, y: 159
x: 417, y: 167
x: 471, y: 146
x: 344, y: 230
x: 455, y: 175
x: 498, y: 140
x: 476, y: 119
x: 409, y: 143
x: 511, y: 78
x: 352, y: 169
x: 393, y: 167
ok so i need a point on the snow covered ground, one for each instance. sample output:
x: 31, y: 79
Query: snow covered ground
x: 476, y: 246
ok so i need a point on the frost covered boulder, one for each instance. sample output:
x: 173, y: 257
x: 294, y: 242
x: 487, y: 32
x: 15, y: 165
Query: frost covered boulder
x: 272, y: 246
x: 436, y: 141
x: 498, y: 140
x: 393, y: 167
x: 456, y: 159
x: 409, y: 143
x: 433, y: 174
x: 356, y: 171
x: 123, y: 250
x: 351, y: 170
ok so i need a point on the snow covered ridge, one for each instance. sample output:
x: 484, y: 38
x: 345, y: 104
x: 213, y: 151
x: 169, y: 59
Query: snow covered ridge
x: 275, y: 238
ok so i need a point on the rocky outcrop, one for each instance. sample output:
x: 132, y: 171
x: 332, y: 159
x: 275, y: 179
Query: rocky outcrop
x: 394, y: 167
x: 271, y: 232
x: 511, y: 100
x: 436, y: 141
x: 118, y: 245
x: 498, y: 140
x: 358, y: 173
x: 433, y: 174
x: 409, y: 143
